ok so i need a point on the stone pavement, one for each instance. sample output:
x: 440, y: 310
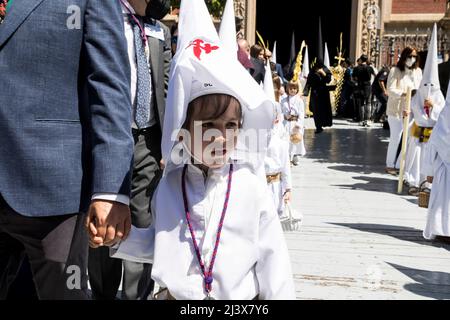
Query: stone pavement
x: 359, y: 239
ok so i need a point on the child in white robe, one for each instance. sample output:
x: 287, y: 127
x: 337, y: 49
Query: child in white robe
x: 294, y: 113
x: 438, y: 222
x: 215, y: 233
x: 277, y: 165
x: 426, y: 106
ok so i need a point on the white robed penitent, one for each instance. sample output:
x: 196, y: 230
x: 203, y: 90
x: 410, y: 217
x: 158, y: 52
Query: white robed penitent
x: 429, y: 89
x: 295, y: 106
x: 252, y: 258
x: 438, y: 222
x: 277, y: 160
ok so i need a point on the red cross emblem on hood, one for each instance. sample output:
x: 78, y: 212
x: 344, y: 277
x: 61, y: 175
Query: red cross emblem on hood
x: 198, y: 46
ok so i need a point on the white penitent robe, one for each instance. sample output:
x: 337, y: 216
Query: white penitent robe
x: 294, y: 106
x: 417, y: 151
x: 252, y: 258
x: 277, y: 161
x: 438, y: 222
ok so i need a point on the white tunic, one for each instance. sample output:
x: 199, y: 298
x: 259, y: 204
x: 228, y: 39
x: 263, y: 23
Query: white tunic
x: 277, y: 161
x: 252, y: 257
x: 294, y: 106
x: 417, y: 151
x: 438, y: 222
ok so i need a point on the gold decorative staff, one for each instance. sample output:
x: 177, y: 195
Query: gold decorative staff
x: 340, y: 56
x: 338, y: 74
x: 298, y: 63
x: 261, y: 41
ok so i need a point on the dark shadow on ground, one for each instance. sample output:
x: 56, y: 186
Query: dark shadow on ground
x: 372, y: 184
x: 430, y: 284
x: 350, y: 147
x: 397, y: 232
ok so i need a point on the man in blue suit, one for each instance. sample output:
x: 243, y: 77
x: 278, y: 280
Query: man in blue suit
x: 65, y: 139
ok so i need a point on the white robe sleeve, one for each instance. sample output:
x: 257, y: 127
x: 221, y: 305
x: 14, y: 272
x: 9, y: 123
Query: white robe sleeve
x: 438, y: 106
x: 273, y: 268
x: 286, y: 177
x: 429, y: 162
x: 301, y: 113
x: 138, y: 247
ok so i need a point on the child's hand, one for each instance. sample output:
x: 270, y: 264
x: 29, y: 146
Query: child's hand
x: 287, y: 196
x: 429, y: 103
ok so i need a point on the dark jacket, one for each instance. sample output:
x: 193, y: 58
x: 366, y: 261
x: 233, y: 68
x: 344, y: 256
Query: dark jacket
x: 444, y: 75
x: 160, y: 59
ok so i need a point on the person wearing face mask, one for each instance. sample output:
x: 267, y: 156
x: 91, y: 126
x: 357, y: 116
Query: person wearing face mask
x: 149, y: 53
x: 405, y: 75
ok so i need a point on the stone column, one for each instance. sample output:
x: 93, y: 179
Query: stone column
x: 250, y: 25
x: 355, y: 33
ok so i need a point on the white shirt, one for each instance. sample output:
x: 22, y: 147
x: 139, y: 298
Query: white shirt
x: 252, y: 258
x: 129, y: 35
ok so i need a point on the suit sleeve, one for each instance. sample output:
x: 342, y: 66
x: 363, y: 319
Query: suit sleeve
x: 107, y: 82
x: 167, y: 58
x: 273, y: 268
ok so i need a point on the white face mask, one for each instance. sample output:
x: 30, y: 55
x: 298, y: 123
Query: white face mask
x: 410, y: 62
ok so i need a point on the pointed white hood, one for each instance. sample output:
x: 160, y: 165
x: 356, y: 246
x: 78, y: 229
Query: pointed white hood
x: 202, y: 66
x: 429, y: 89
x: 430, y: 77
x: 305, y: 68
x: 326, y: 58
x: 274, y: 53
x: 268, y: 83
x: 227, y: 32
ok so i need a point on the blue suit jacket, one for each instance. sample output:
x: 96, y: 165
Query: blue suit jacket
x: 65, y: 114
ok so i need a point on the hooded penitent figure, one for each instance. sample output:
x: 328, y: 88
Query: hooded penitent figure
x: 277, y: 164
x: 319, y: 102
x: 438, y: 223
x: 215, y: 232
x: 426, y: 106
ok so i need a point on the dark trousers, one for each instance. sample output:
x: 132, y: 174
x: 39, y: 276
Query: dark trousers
x: 104, y: 272
x: 56, y: 249
x: 382, y: 99
x: 362, y: 96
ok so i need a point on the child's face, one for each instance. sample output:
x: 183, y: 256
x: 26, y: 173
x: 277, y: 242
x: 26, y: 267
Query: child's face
x: 292, y: 91
x: 213, y: 140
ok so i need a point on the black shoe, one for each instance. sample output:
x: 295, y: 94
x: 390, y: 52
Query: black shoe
x: 319, y: 130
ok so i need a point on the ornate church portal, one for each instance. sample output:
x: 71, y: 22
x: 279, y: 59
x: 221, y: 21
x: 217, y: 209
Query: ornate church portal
x: 368, y: 26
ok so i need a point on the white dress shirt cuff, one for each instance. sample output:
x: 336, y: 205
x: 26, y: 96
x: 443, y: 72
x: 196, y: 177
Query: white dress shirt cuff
x: 112, y: 197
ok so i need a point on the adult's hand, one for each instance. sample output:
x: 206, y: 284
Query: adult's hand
x: 430, y: 179
x: 108, y: 222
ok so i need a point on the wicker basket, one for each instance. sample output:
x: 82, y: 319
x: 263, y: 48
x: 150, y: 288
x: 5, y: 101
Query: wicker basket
x: 424, y: 195
x: 296, y: 138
